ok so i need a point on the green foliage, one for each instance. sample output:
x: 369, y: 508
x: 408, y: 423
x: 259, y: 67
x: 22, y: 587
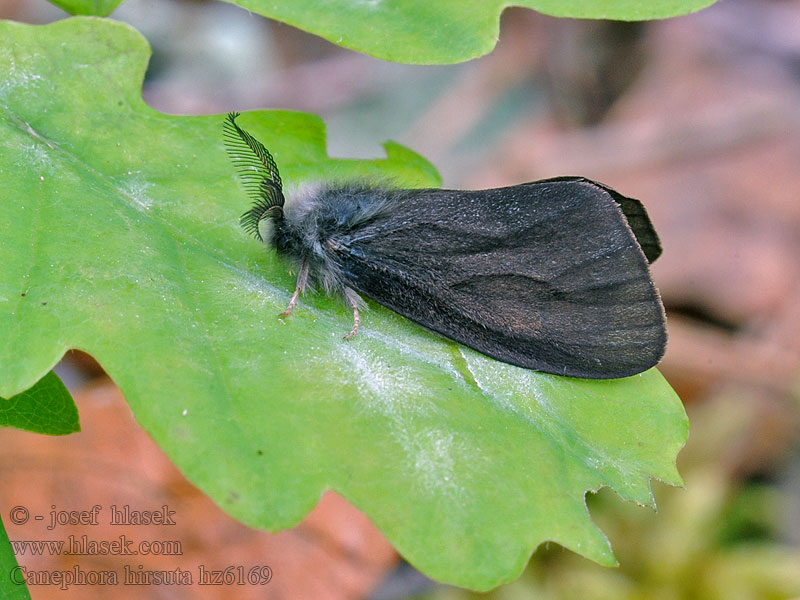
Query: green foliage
x: 718, y: 539
x: 123, y: 241
x: 443, y: 31
x: 100, y: 8
x: 9, y: 590
x: 421, y: 31
x: 47, y: 408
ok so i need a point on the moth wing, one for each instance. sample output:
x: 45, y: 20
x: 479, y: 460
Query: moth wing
x: 546, y: 275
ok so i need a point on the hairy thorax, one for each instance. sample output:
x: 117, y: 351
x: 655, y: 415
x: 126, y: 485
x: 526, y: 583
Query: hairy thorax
x: 314, y: 221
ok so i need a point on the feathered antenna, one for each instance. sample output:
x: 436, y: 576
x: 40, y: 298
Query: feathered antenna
x: 258, y: 172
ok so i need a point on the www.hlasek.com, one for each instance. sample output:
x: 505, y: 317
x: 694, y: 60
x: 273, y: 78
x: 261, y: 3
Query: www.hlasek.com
x: 83, y: 546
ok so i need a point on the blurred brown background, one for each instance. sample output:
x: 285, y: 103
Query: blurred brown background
x: 697, y: 116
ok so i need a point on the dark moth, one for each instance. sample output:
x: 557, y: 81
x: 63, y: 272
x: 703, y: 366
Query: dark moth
x: 551, y: 275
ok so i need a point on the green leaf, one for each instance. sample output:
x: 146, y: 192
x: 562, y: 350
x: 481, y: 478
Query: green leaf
x: 124, y: 238
x: 99, y: 8
x: 10, y: 576
x: 442, y: 31
x: 47, y: 407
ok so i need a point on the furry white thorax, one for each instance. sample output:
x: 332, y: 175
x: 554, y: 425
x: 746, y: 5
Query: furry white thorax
x: 316, y: 216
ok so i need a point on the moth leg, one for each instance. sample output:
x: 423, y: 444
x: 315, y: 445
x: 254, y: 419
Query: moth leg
x: 353, y: 299
x: 302, y: 281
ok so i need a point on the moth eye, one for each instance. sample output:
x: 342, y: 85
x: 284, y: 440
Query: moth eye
x: 266, y: 228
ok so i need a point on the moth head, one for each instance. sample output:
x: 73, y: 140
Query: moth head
x: 260, y: 220
x: 259, y: 175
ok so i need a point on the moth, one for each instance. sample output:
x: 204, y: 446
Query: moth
x: 551, y: 275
